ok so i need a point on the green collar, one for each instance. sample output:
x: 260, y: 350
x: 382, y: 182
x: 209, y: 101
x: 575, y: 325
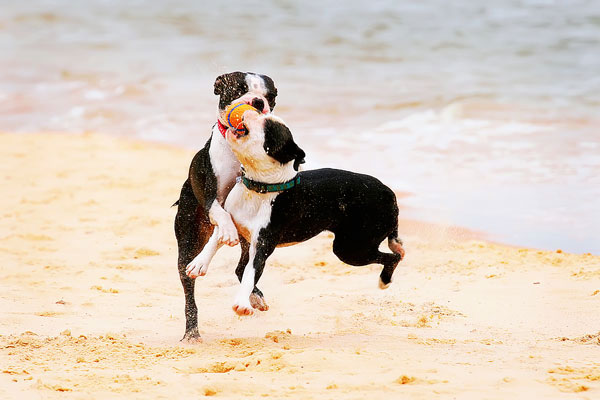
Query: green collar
x: 270, y: 187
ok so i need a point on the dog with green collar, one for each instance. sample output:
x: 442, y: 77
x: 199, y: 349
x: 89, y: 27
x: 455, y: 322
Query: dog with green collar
x: 273, y: 205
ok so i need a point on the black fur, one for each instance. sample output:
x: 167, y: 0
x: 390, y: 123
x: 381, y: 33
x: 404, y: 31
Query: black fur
x: 233, y: 85
x: 199, y: 191
x: 230, y: 87
x: 193, y: 228
x: 359, y: 209
x: 271, y: 90
x: 280, y: 145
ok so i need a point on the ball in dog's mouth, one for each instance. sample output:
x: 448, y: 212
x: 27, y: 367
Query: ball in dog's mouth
x: 234, y: 116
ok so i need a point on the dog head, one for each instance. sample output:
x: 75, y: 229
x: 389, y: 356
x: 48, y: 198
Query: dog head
x: 266, y: 146
x: 259, y: 91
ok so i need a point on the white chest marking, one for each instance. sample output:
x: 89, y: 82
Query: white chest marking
x: 225, y: 164
x: 226, y: 168
x: 251, y: 211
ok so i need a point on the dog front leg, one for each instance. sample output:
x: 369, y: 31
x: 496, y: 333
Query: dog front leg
x: 199, y: 265
x: 241, y: 303
x: 257, y: 299
x: 227, y: 233
x: 258, y: 253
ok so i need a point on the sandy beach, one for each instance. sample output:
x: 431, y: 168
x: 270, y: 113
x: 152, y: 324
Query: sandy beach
x: 92, y: 306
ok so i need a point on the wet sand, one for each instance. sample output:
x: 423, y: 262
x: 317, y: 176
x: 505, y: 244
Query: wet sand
x: 92, y: 306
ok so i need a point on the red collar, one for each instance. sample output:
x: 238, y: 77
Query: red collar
x: 222, y: 128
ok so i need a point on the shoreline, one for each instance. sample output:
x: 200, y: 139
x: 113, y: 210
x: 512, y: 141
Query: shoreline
x: 94, y: 305
x: 462, y: 212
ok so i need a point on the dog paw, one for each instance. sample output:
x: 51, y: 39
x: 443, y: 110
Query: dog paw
x: 395, y: 245
x: 192, y: 336
x: 258, y: 302
x: 198, y: 267
x: 243, y: 308
x: 383, y: 285
x: 228, y: 235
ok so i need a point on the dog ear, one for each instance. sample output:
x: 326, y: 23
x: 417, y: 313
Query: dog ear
x: 230, y: 80
x: 299, y: 159
x: 220, y: 84
x: 279, y: 143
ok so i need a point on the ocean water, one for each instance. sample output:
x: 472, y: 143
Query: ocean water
x: 487, y: 113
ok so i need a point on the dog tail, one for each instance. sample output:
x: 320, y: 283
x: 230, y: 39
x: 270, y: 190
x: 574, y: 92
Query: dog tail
x: 175, y: 204
x: 395, y: 243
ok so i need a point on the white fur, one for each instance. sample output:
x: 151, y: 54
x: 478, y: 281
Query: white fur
x: 222, y: 156
x: 249, y: 149
x: 241, y: 303
x: 256, y: 89
x: 250, y: 210
x: 256, y: 84
x: 226, y: 173
x: 226, y: 168
x: 199, y: 265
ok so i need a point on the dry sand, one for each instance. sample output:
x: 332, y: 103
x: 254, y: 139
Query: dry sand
x: 91, y: 304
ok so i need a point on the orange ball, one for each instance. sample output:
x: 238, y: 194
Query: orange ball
x: 234, y: 113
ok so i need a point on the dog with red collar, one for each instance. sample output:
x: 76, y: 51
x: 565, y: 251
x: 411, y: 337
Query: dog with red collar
x: 212, y: 174
x: 274, y: 205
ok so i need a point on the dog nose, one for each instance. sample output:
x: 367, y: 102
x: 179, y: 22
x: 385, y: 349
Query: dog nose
x: 257, y: 103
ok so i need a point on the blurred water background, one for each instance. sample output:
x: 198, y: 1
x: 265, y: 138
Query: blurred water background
x: 487, y: 113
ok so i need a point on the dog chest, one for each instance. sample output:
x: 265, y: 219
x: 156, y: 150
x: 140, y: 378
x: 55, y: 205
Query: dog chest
x: 225, y: 165
x: 251, y: 211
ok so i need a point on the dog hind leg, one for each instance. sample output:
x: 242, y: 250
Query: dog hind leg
x: 389, y: 264
x: 358, y: 250
x: 192, y: 230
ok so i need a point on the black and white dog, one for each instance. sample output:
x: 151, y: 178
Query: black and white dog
x: 212, y: 175
x: 275, y: 205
